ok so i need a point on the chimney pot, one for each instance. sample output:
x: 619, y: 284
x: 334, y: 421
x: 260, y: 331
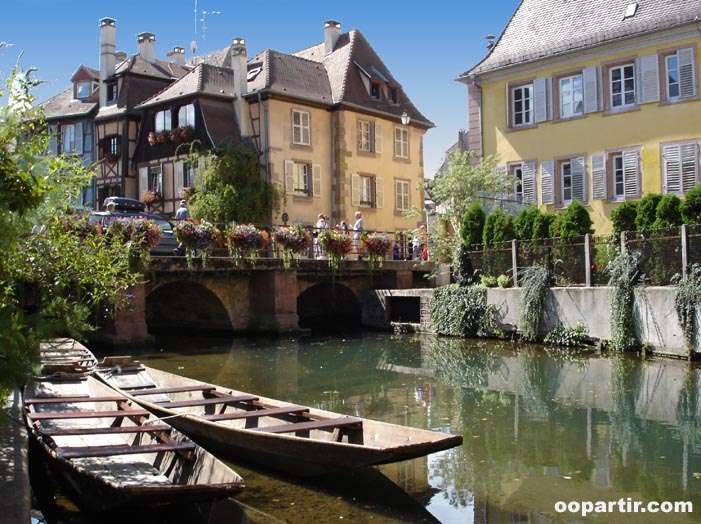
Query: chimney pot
x: 147, y: 46
x: 177, y: 55
x: 108, y: 45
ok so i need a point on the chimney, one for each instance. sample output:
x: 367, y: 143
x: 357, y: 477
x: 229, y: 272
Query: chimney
x: 121, y: 56
x: 239, y: 63
x: 147, y: 46
x: 177, y: 55
x: 332, y: 30
x: 108, y: 45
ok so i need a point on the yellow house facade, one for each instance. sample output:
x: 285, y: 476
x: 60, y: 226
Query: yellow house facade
x: 605, y: 111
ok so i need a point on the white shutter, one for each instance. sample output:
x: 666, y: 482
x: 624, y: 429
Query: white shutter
x: 578, y: 179
x: 546, y: 182
x: 53, y: 140
x: 540, y: 95
x: 631, y: 168
x: 598, y: 177
x: 289, y: 177
x: 685, y: 58
x: 689, y: 164
x: 179, y: 175
x: 649, y: 81
x: 590, y: 82
x: 143, y: 180
x: 671, y: 158
x: 529, y: 183
x: 378, y: 137
x: 316, y: 180
x: 379, y: 193
x: 355, y: 190
x: 79, y: 138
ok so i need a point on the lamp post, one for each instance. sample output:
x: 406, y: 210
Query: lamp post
x: 405, y: 118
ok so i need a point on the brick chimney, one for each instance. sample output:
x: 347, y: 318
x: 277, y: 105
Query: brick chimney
x: 332, y: 30
x: 177, y: 55
x: 147, y: 46
x: 239, y: 63
x: 108, y: 46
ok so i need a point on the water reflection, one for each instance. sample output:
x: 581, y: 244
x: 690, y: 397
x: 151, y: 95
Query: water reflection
x: 539, y: 426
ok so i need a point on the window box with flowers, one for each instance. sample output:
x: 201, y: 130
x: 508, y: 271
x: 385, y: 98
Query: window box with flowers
x: 293, y: 240
x: 182, y: 134
x: 376, y: 246
x: 158, y: 137
x: 196, y: 237
x: 150, y: 197
x: 245, y: 240
x: 337, y: 244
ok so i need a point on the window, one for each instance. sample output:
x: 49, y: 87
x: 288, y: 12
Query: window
x: 83, y: 89
x: 367, y: 191
x: 571, y: 96
x: 672, y: 66
x: 112, y: 92
x: 522, y: 105
x: 110, y: 148
x: 622, y: 84
x: 375, y: 91
x: 681, y: 167
x: 618, y: 177
x: 393, y: 96
x: 68, y: 142
x: 186, y: 116
x: 300, y: 127
x: 369, y: 136
x: 189, y: 172
x: 679, y: 74
x: 363, y: 135
x: 517, y: 173
x: 163, y: 121
x: 155, y: 179
x: 401, y: 142
x: 401, y: 195
x: 300, y: 176
x: 566, y: 178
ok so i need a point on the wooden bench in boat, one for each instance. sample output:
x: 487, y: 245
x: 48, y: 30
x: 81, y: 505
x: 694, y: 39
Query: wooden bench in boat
x: 208, y: 401
x: 157, y: 391
x: 107, y: 451
x: 150, y: 428
x: 67, y: 400
x: 256, y: 413
x: 305, y: 427
x: 44, y: 415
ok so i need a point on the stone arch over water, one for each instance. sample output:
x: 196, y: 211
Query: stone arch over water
x: 328, y: 306
x: 185, y: 306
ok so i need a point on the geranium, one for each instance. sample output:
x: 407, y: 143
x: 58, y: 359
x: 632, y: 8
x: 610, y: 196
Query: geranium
x: 245, y: 240
x: 293, y: 240
x: 337, y: 244
x: 80, y: 225
x: 376, y: 246
x: 138, y: 235
x: 196, y: 237
x: 181, y: 134
x: 150, y: 196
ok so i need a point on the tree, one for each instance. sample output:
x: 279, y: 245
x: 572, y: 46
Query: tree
x: 647, y: 211
x: 574, y: 222
x: 524, y: 225
x: 473, y: 225
x: 499, y: 227
x: 691, y: 206
x: 623, y: 217
x: 667, y: 213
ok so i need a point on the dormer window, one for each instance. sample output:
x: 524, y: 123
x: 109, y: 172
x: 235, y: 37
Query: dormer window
x: 186, y: 116
x: 83, y: 89
x: 393, y: 95
x: 112, y: 93
x: 375, y: 91
x: 163, y: 121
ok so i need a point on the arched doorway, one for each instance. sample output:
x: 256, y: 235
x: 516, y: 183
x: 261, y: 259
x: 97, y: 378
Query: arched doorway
x: 185, y: 306
x: 328, y: 306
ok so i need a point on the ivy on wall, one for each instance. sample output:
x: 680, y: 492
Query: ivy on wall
x: 462, y: 311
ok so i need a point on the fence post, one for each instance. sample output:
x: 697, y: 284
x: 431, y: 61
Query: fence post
x: 685, y: 248
x: 587, y: 260
x: 514, y: 261
x: 623, y: 241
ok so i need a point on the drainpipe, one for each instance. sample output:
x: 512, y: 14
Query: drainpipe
x: 332, y: 178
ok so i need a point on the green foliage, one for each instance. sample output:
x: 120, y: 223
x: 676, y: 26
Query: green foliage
x: 504, y: 281
x: 542, y: 224
x: 690, y: 208
x: 623, y: 217
x: 575, y: 222
x: 667, y: 213
x: 463, y: 270
x: 498, y: 227
x: 564, y: 336
x: 535, y: 281
x: 686, y: 303
x: 463, y: 311
x: 473, y: 225
x: 624, y: 277
x: 647, y: 211
x: 524, y: 225
x: 231, y: 188
x: 488, y: 280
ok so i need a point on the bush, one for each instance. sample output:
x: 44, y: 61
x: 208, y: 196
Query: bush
x: 564, y: 336
x: 473, y: 225
x: 463, y: 270
x: 667, y: 213
x: 623, y: 217
x: 488, y: 280
x: 690, y: 208
x: 647, y: 211
x: 525, y: 222
x: 498, y: 227
x: 542, y: 224
x: 463, y: 311
x: 504, y: 281
x: 575, y: 222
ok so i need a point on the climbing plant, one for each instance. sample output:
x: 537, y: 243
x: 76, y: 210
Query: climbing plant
x: 624, y: 277
x: 463, y: 311
x: 686, y: 302
x: 535, y: 281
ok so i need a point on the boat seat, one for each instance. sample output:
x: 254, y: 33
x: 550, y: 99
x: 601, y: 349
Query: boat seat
x: 180, y: 389
x: 208, y: 401
x: 88, y: 414
x: 61, y: 400
x: 107, y: 451
x: 150, y: 428
x: 256, y: 413
x: 328, y: 423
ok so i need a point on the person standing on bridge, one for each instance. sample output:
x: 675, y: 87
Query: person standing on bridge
x: 357, y: 231
x: 182, y: 214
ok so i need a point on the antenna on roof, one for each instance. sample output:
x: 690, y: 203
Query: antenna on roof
x: 193, y: 47
x: 490, y: 41
x: 204, y: 21
x: 195, y: 16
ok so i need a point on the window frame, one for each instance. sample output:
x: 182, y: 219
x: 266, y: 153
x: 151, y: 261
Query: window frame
x: 189, y: 112
x: 155, y: 179
x: 301, y: 127
x: 516, y: 170
x: 561, y: 173
x: 112, y: 93
x: 572, y: 92
x: 402, y: 191
x: 401, y: 143
x: 163, y: 121
x: 530, y: 121
x: 610, y: 85
x: 366, y: 185
x: 364, y: 136
x: 68, y: 129
x: 78, y: 85
x: 663, y: 56
x: 375, y: 90
x: 305, y: 188
x: 616, y: 170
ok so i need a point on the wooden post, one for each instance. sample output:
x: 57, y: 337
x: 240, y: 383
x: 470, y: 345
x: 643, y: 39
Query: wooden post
x: 587, y: 260
x: 623, y: 241
x: 685, y: 248
x: 514, y: 260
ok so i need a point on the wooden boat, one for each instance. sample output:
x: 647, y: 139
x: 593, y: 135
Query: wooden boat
x: 115, y: 454
x: 297, y: 440
x: 65, y: 356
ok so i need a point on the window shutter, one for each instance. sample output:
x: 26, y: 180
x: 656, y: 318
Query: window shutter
x: 689, y: 163
x: 143, y: 180
x: 53, y: 141
x: 79, y: 138
x: 685, y: 58
x: 671, y: 156
x: 180, y: 175
x: 578, y: 179
x: 590, y: 82
x: 546, y: 182
x: 378, y: 137
x: 540, y: 95
x: 289, y: 177
x: 379, y: 193
x: 598, y: 177
x: 159, y: 182
x: 649, y: 71
x: 316, y: 180
x: 529, y: 183
x: 355, y: 190
x: 630, y: 174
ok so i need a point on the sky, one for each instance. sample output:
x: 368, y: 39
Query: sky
x: 425, y: 45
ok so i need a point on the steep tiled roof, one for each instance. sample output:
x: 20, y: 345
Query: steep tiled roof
x: 63, y: 105
x: 135, y: 64
x: 204, y: 79
x: 296, y: 76
x: 543, y: 28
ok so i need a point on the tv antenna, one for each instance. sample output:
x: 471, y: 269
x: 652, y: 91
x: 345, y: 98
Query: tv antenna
x: 204, y: 21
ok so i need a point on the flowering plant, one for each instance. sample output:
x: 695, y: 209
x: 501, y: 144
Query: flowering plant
x: 376, y: 245
x: 181, y: 134
x: 245, y: 240
x: 293, y: 239
x: 150, y: 196
x: 337, y: 244
x: 139, y: 235
x: 186, y: 192
x: 196, y: 237
x: 80, y: 225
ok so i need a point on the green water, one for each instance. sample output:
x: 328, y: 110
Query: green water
x: 539, y: 426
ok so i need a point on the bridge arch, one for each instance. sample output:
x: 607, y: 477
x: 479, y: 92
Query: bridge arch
x: 185, y: 305
x: 328, y: 305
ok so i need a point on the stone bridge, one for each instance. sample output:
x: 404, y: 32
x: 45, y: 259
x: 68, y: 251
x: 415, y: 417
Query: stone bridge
x: 226, y: 296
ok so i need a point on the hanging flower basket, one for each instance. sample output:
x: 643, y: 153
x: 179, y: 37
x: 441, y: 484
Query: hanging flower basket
x: 79, y: 225
x: 336, y: 244
x: 150, y: 197
x: 245, y: 241
x: 376, y: 246
x: 138, y: 236
x: 292, y: 240
x: 196, y: 238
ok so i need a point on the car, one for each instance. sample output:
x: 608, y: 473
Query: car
x: 167, y: 243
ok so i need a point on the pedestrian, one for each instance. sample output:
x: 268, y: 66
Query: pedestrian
x: 418, y: 243
x: 321, y: 224
x: 357, y: 231
x: 111, y: 206
x: 182, y: 214
x: 343, y: 226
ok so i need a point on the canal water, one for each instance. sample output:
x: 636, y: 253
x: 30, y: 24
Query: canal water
x: 540, y: 426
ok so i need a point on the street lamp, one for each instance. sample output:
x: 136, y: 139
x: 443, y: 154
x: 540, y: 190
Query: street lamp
x: 405, y: 118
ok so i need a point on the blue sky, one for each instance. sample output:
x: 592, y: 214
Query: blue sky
x: 425, y: 45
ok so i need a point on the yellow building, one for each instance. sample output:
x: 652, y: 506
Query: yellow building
x: 595, y: 101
